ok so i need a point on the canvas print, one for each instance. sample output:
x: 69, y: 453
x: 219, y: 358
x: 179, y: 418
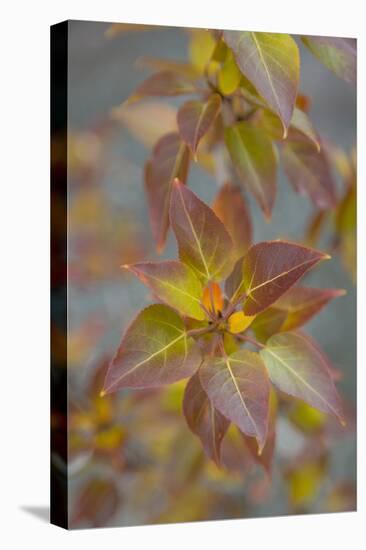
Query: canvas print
x: 203, y: 274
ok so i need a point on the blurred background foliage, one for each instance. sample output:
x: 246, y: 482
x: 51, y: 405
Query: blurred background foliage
x: 132, y: 459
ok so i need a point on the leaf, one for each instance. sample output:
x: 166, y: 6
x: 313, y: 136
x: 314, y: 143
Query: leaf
x: 297, y: 368
x: 346, y: 226
x: 212, y: 298
x: 164, y: 83
x: 154, y: 351
x: 314, y: 227
x: 265, y: 459
x: 203, y: 242
x: 141, y: 120
x: 238, y: 387
x: 267, y: 323
x: 270, y: 268
x: 174, y: 283
x: 302, y: 303
x: 229, y: 76
x: 234, y: 283
x: 300, y: 127
x: 230, y: 207
x: 195, y: 119
x: 203, y: 419
x: 337, y: 54
x: 201, y: 48
x: 238, y: 322
x: 272, y: 63
x: 170, y: 159
x: 309, y: 173
x: 254, y: 159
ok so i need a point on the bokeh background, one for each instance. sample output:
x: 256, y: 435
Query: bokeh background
x: 132, y: 459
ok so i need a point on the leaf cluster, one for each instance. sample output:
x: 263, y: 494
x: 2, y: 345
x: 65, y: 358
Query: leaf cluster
x: 215, y: 304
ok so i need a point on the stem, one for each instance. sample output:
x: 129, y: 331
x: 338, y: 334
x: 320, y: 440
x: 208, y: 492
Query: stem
x: 208, y: 312
x: 249, y: 339
x: 232, y: 305
x: 200, y: 331
x: 222, y: 347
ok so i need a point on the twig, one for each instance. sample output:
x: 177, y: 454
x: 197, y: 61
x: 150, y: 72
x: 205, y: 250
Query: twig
x: 250, y: 340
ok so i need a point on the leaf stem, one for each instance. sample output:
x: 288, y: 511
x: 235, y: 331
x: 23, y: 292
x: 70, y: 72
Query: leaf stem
x: 250, y: 340
x: 232, y: 305
x: 200, y: 331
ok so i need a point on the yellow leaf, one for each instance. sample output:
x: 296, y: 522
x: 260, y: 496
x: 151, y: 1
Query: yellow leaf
x: 229, y: 76
x: 201, y: 48
x: 239, y: 322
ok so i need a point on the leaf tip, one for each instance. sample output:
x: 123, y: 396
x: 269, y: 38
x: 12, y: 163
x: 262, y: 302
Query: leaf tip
x: 176, y: 182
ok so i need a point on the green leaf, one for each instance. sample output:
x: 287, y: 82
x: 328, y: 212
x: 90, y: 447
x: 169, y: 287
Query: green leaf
x: 309, y: 172
x: 238, y: 387
x: 174, y: 283
x: 337, y: 54
x: 195, y: 119
x: 272, y: 63
x: 154, y: 351
x: 170, y: 159
x: 164, y: 83
x: 203, y: 242
x: 269, y: 269
x: 203, y: 419
x: 301, y: 304
x: 230, y: 207
x: 300, y: 127
x: 253, y: 156
x: 267, y: 323
x: 299, y: 369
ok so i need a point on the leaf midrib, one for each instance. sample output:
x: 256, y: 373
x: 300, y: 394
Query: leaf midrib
x: 299, y: 377
x: 138, y: 365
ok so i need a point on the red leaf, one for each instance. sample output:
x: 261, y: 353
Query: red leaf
x: 309, y: 173
x: 265, y: 459
x: 154, y: 351
x: 165, y: 83
x: 297, y: 367
x: 170, y: 159
x: 238, y: 387
x: 203, y: 242
x: 203, y: 419
x: 301, y: 304
x: 195, y: 119
x: 174, y: 283
x: 270, y: 268
x: 230, y: 207
x: 336, y: 53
